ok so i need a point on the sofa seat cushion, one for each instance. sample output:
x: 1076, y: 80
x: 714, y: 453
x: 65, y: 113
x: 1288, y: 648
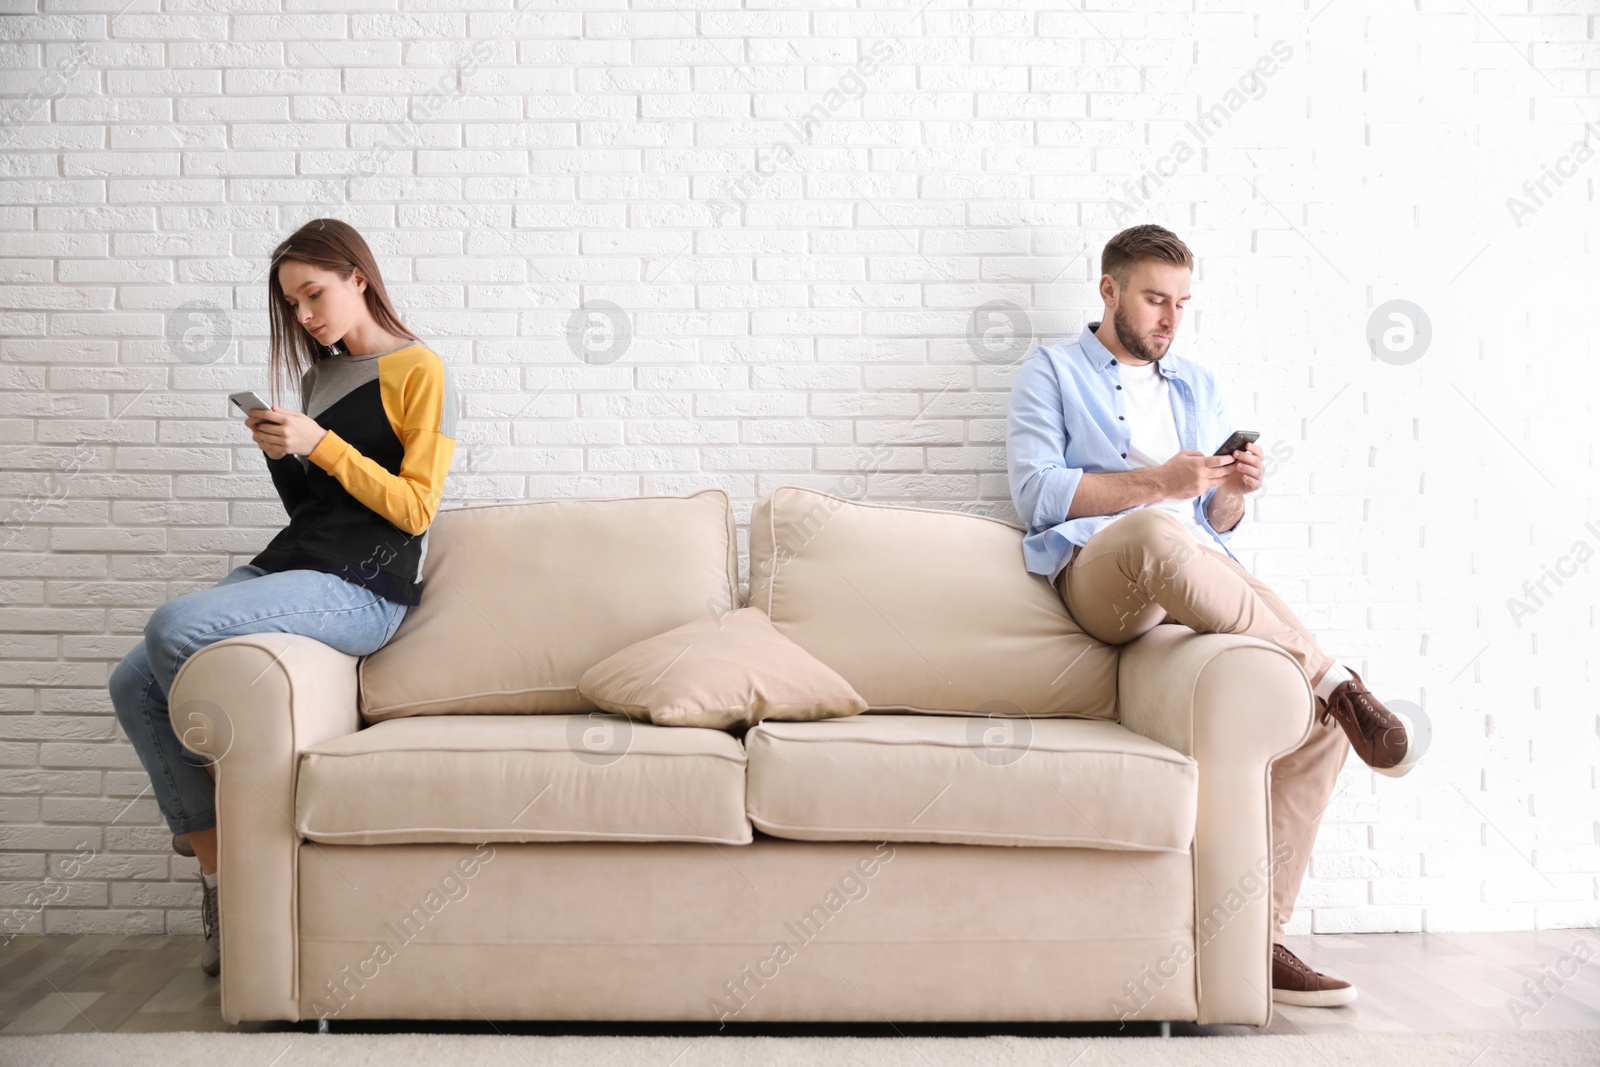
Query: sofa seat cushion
x: 474, y: 778
x: 971, y: 780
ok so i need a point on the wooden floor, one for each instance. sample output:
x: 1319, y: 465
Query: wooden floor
x: 1405, y: 982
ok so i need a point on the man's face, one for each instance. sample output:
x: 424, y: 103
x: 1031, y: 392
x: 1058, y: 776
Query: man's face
x: 1146, y: 312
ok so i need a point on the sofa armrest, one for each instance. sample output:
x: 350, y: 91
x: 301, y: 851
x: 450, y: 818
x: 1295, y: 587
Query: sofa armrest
x: 252, y: 704
x: 1234, y: 704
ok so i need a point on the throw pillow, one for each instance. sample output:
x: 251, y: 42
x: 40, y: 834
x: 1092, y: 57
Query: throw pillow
x: 733, y: 670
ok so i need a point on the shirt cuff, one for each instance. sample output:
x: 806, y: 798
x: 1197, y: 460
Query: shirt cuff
x: 1058, y: 491
x: 329, y: 450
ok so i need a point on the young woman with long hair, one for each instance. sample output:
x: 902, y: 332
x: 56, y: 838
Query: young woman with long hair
x: 360, y: 469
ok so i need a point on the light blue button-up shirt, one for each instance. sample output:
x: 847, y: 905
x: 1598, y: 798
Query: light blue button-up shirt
x: 1067, y: 419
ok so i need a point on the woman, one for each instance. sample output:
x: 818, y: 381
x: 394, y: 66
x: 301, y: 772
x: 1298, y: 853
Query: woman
x: 360, y: 468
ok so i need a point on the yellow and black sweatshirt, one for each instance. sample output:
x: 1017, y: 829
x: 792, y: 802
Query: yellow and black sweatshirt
x: 360, y: 504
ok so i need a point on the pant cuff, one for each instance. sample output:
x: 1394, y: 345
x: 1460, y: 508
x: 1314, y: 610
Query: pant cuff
x: 196, y: 825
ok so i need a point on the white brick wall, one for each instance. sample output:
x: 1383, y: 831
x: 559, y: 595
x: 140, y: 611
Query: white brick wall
x: 788, y: 320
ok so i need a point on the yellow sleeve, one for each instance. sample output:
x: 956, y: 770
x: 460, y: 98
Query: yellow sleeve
x: 413, y: 390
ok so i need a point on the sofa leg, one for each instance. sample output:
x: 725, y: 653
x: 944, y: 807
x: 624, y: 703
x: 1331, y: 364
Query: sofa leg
x: 322, y: 1025
x: 1166, y: 1029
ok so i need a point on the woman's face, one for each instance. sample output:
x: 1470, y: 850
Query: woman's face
x: 325, y: 305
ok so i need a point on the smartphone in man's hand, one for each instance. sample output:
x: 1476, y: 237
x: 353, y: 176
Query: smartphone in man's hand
x: 1236, y: 442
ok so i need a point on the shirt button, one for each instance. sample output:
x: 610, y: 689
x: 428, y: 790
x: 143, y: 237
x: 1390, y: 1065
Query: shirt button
x: 1124, y: 455
x: 1119, y: 388
x: 1121, y: 419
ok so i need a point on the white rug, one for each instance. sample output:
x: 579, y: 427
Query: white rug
x: 1550, y: 1048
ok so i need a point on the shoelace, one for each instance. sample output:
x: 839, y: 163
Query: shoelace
x: 1367, y: 717
x: 1294, y: 962
x: 208, y: 908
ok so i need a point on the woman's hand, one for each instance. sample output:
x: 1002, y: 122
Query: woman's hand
x: 282, y: 432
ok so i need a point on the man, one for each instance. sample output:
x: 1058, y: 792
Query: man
x: 1108, y: 445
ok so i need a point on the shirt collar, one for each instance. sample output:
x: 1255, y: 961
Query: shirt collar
x: 1101, y: 357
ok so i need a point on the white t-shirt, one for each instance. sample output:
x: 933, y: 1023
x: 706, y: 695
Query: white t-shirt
x: 1153, y: 439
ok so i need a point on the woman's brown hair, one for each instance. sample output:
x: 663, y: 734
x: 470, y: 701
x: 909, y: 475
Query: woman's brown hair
x: 331, y: 245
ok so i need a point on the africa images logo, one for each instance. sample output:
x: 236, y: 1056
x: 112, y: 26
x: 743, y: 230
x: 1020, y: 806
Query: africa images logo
x: 1537, y: 593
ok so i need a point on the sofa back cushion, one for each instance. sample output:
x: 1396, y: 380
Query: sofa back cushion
x: 924, y: 610
x: 520, y: 599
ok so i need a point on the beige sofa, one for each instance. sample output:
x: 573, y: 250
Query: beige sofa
x: 1027, y: 825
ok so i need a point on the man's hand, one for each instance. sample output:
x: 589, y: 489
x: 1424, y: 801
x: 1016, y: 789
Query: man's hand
x: 1190, y: 474
x: 1243, y: 475
x: 281, y: 432
x: 1246, y: 474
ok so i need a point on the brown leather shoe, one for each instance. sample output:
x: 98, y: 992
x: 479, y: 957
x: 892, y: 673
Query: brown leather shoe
x: 1377, y: 734
x: 1294, y: 982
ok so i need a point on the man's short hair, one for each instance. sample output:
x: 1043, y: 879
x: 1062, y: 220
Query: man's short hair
x: 1146, y: 241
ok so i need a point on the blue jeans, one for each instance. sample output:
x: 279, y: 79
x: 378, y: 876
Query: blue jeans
x: 249, y: 600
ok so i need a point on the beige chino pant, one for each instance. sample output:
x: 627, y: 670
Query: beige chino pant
x: 1146, y: 569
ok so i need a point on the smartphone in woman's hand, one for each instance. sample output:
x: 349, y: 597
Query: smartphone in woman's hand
x: 248, y: 401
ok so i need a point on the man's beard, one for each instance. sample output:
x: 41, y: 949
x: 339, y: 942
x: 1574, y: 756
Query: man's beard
x: 1132, y: 341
